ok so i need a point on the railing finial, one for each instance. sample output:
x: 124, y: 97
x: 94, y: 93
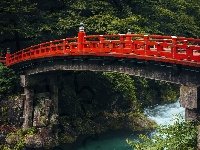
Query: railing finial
x: 8, y: 50
x: 129, y: 31
x: 81, y: 39
x: 81, y: 27
x: 8, y: 56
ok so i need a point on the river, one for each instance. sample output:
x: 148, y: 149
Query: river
x: 116, y: 139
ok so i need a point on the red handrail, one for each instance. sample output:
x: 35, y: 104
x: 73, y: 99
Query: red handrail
x: 172, y: 49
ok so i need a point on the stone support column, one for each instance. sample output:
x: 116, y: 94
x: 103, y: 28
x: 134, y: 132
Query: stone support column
x: 28, y: 103
x: 53, y: 88
x: 189, y: 99
x: 189, y: 96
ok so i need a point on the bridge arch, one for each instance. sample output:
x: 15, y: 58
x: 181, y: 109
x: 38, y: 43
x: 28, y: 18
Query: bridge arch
x: 167, y: 72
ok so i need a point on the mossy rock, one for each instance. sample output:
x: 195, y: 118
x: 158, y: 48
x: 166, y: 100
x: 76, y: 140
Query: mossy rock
x: 66, y: 138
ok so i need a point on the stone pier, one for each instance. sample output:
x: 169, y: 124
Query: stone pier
x: 53, y: 90
x: 42, y: 90
x: 189, y: 99
x: 40, y: 108
x: 28, y: 102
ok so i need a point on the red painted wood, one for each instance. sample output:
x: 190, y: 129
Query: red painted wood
x: 177, y: 50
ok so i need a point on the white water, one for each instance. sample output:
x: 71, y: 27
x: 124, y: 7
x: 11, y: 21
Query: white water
x: 116, y: 140
x: 163, y: 114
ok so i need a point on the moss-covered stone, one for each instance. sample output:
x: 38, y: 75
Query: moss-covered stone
x: 17, y: 139
x: 66, y: 138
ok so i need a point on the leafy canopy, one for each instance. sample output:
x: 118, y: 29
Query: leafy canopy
x: 27, y: 22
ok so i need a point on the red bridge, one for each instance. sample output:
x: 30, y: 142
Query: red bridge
x: 166, y: 58
x: 171, y: 49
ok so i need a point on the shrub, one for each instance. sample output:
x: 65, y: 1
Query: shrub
x: 181, y: 135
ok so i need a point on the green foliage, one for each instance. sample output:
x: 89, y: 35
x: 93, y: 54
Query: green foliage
x: 4, y: 111
x: 23, y: 132
x: 3, y: 147
x: 150, y: 92
x: 181, y: 135
x: 43, y: 121
x: 39, y: 103
x: 9, y: 81
x: 17, y: 138
x: 123, y: 84
x: 31, y: 131
x: 29, y: 22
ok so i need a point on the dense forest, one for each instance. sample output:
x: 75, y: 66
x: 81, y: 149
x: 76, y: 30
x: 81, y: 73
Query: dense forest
x: 27, y: 22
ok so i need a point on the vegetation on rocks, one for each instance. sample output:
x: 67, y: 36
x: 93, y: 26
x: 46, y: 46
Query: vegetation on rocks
x: 16, y: 139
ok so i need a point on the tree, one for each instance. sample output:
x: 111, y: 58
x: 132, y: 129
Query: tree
x: 9, y: 82
x: 17, y: 17
x: 28, y: 22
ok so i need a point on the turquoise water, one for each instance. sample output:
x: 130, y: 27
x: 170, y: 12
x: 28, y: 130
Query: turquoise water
x: 109, y: 140
x: 116, y: 139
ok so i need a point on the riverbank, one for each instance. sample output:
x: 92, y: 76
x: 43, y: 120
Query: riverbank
x: 116, y: 139
x: 162, y: 114
x: 86, y: 103
x: 67, y: 130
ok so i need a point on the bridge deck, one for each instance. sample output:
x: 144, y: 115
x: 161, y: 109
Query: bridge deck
x: 176, y: 50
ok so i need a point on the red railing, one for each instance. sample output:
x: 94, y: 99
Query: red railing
x: 176, y: 50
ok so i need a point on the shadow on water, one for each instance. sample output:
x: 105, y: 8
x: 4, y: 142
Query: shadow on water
x: 109, y: 140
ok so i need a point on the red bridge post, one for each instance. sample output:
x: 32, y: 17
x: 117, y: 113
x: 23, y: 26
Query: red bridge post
x: 81, y: 35
x: 128, y: 43
x: 146, y: 47
x: 7, y: 56
x: 174, y: 48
